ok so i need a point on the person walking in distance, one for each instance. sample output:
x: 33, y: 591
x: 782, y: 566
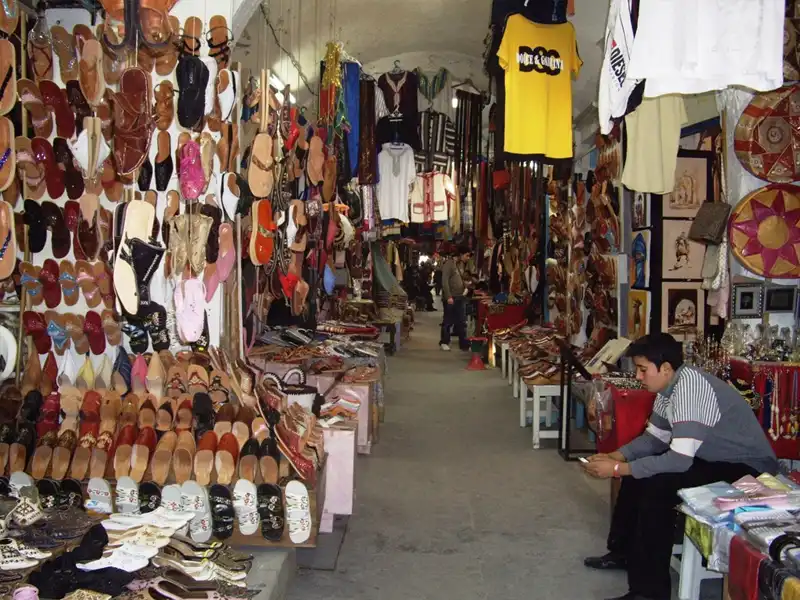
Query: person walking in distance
x: 453, y: 289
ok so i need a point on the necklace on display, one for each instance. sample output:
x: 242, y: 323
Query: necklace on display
x: 793, y: 419
x: 775, y: 412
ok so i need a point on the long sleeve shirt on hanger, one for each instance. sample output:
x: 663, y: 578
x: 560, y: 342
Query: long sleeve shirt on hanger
x: 438, y: 139
x: 400, y: 94
x: 690, y: 47
x: 397, y: 173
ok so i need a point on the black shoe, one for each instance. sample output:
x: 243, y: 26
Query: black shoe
x: 146, y: 258
x: 608, y: 562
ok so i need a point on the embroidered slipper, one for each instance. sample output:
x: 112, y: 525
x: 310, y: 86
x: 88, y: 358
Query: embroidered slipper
x: 150, y: 500
x: 270, y: 510
x: 9, y: 19
x: 8, y: 77
x: 298, y: 512
x: 127, y: 498
x: 43, y: 154
x: 88, y: 283
x: 195, y: 500
x: 172, y: 499
x: 64, y: 46
x: 222, y: 512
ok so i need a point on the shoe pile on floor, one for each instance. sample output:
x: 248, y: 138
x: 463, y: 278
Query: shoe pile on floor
x: 51, y: 548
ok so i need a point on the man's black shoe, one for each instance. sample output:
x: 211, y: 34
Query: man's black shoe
x: 608, y: 562
x: 631, y: 596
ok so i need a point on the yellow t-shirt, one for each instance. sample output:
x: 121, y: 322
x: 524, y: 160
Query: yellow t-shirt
x: 539, y: 61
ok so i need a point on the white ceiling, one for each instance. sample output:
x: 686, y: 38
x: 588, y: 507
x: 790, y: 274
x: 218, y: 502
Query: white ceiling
x: 419, y: 33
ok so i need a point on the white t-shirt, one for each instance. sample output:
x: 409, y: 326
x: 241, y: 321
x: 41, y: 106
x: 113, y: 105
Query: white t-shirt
x: 397, y: 172
x: 615, y: 87
x: 691, y: 46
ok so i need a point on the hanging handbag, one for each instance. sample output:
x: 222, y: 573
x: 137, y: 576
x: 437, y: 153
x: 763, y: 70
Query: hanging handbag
x: 709, y: 225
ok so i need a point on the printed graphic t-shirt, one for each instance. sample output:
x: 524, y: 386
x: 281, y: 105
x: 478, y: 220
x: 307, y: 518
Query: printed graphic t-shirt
x: 539, y: 61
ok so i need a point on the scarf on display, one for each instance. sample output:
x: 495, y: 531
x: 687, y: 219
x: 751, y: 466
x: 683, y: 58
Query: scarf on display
x: 743, y: 573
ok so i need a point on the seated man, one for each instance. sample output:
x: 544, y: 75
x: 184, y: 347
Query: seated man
x: 701, y: 431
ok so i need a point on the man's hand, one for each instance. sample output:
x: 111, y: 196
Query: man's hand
x: 615, y: 456
x: 449, y: 300
x: 600, y: 468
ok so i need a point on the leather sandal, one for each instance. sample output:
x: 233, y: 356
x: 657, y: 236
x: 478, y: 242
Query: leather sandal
x: 32, y: 101
x: 91, y: 77
x: 165, y: 105
x: 8, y: 76
x: 133, y: 121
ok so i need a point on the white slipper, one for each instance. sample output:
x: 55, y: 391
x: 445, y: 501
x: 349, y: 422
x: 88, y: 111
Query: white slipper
x: 19, y: 480
x: 147, y: 536
x: 211, y: 87
x: 99, y: 496
x: 127, y: 495
x: 226, y: 97
x: 227, y: 198
x: 119, y: 559
x: 298, y: 514
x: 195, y: 500
x: 245, y: 505
x: 11, y: 559
x: 29, y: 551
x: 172, y: 498
x: 68, y: 371
x: 8, y: 349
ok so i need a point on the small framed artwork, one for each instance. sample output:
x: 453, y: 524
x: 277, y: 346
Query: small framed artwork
x: 640, y: 210
x: 638, y: 313
x: 639, y: 275
x: 683, y: 309
x: 780, y: 299
x: 747, y: 301
x: 682, y: 258
x: 692, y: 185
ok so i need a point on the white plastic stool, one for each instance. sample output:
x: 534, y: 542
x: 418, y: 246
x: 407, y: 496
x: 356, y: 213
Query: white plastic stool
x: 542, y: 397
x: 691, y: 570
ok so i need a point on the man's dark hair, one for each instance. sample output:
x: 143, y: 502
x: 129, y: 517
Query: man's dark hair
x: 658, y: 348
x: 463, y: 249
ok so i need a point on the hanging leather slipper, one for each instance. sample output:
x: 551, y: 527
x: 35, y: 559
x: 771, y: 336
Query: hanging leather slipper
x: 8, y: 76
x: 139, y: 219
x: 64, y: 45
x: 92, y: 80
x: 32, y: 101
x: 261, y: 170
x: 113, y: 62
x: 8, y: 240
x: 9, y: 17
x: 167, y: 58
x: 56, y: 100
x: 44, y: 155
x: 73, y: 177
x: 316, y: 160
x: 164, y: 108
x: 40, y: 56
x: 192, y: 78
x: 8, y: 155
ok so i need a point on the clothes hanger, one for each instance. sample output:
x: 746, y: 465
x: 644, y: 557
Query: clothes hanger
x: 467, y: 86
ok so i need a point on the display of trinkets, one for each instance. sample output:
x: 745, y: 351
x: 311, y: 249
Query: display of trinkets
x: 710, y: 355
x: 779, y: 388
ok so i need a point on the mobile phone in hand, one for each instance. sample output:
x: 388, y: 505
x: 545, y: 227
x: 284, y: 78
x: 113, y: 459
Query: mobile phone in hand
x: 583, y: 460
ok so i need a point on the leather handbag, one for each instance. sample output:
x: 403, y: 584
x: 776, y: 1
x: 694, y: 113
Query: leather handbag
x: 709, y: 225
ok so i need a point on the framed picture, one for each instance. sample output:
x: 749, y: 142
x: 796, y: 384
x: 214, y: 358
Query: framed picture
x: 683, y: 309
x: 640, y: 210
x: 780, y: 299
x: 681, y: 257
x: 747, y: 301
x: 638, y: 313
x: 639, y: 275
x: 692, y: 185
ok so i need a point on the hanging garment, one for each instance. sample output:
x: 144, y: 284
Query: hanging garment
x: 352, y: 101
x: 436, y: 91
x: 399, y: 92
x: 368, y: 153
x: 397, y: 173
x: 690, y: 47
x: 431, y: 198
x: 615, y: 87
x: 437, y: 135
x: 539, y: 61
x: 654, y: 132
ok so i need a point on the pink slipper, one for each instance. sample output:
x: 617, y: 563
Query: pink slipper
x: 190, y: 295
x: 139, y: 375
x: 227, y: 253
